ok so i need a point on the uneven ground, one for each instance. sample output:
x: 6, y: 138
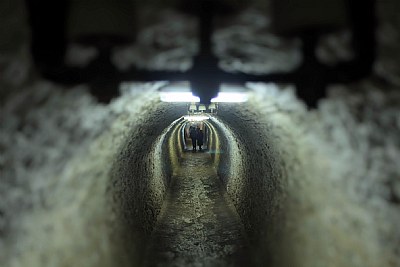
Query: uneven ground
x: 198, y: 225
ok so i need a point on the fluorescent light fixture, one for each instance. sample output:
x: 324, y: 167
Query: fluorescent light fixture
x: 192, y: 107
x: 202, y: 108
x: 237, y: 97
x: 181, y: 92
x: 196, y: 118
x: 177, y: 92
x: 233, y: 93
x: 178, y: 97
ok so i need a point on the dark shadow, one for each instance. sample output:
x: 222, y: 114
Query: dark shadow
x: 48, y: 21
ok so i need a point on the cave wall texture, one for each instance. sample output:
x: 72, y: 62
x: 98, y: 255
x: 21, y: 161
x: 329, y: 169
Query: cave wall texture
x: 82, y: 183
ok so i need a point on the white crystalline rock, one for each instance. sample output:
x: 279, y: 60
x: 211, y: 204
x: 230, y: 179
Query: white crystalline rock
x: 248, y: 46
x: 169, y: 44
x: 47, y: 135
x: 57, y: 145
x: 348, y: 150
x: 78, y: 55
x: 335, y: 47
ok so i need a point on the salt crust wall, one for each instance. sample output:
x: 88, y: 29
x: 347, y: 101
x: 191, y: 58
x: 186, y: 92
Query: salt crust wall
x: 341, y: 189
x: 306, y: 193
x: 253, y: 172
x: 82, y: 183
x: 140, y: 177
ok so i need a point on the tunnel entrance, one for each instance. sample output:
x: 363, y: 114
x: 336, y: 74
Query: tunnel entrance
x: 198, y: 225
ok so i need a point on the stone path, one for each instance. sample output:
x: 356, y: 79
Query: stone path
x: 198, y: 226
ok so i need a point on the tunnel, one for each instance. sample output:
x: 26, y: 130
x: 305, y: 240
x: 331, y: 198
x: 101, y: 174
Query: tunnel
x: 280, y: 181
x: 247, y: 169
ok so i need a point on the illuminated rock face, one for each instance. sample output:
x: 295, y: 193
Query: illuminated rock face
x: 309, y: 186
x: 288, y: 172
x: 82, y: 183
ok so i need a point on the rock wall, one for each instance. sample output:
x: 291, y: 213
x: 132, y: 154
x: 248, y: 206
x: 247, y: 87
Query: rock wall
x: 82, y: 186
x: 94, y: 181
x: 140, y: 176
x: 313, y: 188
x: 305, y: 192
x: 251, y: 168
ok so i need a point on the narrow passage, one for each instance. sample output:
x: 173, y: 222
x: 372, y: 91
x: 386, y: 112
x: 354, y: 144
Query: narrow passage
x: 198, y: 225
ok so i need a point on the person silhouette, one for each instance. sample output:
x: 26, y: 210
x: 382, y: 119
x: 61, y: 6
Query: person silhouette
x: 193, y: 136
x: 200, y: 137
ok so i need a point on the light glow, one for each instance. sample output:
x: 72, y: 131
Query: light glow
x: 196, y: 118
x: 181, y: 92
x: 178, y: 97
x: 232, y: 97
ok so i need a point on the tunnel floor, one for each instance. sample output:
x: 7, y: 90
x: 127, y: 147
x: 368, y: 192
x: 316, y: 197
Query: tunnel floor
x: 198, y: 225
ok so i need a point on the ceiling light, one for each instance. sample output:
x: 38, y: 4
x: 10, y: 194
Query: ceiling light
x: 196, y: 118
x: 178, y: 97
x: 231, y: 93
x: 192, y: 107
x: 202, y: 107
x: 237, y: 97
x: 177, y: 92
x: 212, y: 106
x: 181, y: 92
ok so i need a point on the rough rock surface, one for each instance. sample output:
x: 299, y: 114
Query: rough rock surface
x: 198, y: 225
x: 327, y: 180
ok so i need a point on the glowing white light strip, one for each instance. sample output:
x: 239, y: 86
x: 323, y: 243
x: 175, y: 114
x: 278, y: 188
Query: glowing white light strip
x: 196, y: 118
x: 178, y: 97
x: 238, y: 97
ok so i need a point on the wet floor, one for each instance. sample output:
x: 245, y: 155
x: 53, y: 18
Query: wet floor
x: 198, y: 225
